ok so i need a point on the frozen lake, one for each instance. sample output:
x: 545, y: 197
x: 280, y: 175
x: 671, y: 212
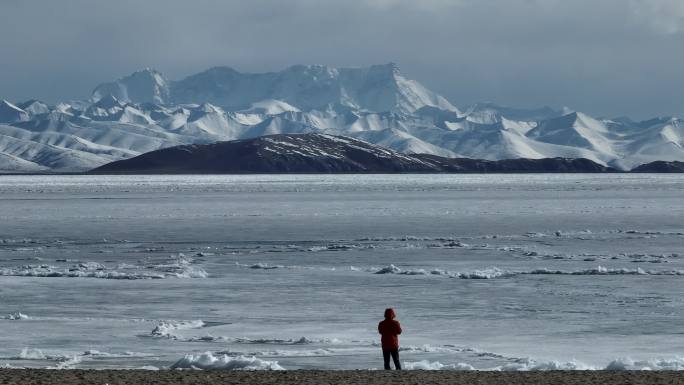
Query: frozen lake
x: 486, y: 272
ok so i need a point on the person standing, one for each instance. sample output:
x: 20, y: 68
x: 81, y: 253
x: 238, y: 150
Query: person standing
x: 390, y: 329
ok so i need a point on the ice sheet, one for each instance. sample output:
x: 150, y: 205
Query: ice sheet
x: 505, y: 272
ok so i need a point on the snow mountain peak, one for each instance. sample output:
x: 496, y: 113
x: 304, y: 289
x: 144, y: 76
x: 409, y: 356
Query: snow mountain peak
x: 144, y: 86
x: 377, y: 88
x: 11, y: 113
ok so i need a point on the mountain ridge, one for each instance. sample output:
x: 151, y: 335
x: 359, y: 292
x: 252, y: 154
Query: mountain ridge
x: 377, y: 88
x: 320, y: 153
x: 141, y: 112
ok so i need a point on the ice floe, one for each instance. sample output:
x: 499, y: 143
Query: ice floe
x: 676, y: 363
x: 436, y: 365
x: 208, y: 360
x: 176, y: 266
x: 494, y: 272
x: 68, y: 360
x: 166, y: 329
x: 261, y: 341
x: 16, y: 316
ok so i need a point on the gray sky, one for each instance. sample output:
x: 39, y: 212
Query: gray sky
x: 604, y: 57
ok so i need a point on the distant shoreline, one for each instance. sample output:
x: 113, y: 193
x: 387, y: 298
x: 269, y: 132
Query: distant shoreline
x: 331, y: 173
x: 346, y: 377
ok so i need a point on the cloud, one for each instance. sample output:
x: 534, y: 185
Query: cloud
x: 595, y: 56
x: 663, y: 16
x: 433, y: 5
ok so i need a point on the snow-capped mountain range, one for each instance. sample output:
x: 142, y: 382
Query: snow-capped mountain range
x: 145, y: 111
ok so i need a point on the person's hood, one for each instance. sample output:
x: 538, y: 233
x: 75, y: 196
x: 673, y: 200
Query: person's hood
x: 389, y: 313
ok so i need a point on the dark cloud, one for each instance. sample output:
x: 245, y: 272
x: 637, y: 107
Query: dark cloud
x: 605, y: 57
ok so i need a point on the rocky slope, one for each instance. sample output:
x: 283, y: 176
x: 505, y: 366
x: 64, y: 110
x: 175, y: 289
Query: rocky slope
x: 317, y: 153
x: 661, y: 167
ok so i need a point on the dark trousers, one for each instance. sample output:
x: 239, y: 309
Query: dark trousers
x: 395, y: 357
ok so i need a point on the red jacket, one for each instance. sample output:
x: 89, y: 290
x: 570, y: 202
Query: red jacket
x: 390, y: 330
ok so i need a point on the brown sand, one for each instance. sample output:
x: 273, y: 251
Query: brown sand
x: 315, y: 377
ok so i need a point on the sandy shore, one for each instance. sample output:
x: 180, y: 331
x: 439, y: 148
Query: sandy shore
x: 116, y: 377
